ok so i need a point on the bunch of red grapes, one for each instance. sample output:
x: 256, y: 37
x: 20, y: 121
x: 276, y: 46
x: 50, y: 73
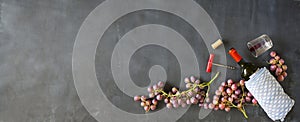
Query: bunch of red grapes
x: 232, y: 94
x: 277, y: 66
x: 150, y: 102
x: 196, y: 93
x: 229, y: 94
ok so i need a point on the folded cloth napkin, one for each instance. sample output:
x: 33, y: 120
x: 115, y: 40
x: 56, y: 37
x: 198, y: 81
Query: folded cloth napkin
x: 269, y: 94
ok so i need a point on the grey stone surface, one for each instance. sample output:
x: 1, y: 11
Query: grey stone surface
x: 36, y: 52
x: 37, y: 38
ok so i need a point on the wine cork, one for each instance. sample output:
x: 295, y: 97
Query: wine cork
x: 216, y: 44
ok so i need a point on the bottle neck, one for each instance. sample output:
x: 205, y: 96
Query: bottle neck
x: 237, y: 57
x: 242, y: 62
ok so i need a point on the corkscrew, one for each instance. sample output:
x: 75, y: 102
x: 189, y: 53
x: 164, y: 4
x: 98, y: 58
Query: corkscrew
x: 210, y: 63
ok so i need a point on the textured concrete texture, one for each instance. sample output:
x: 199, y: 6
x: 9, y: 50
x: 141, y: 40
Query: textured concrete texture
x: 37, y: 38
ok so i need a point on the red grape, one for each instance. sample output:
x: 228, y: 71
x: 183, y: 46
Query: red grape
x: 179, y: 101
x: 234, y: 96
x: 143, y: 104
x: 154, y: 102
x: 188, y: 85
x: 272, y: 61
x: 230, y: 99
x: 242, y: 82
x: 218, y: 92
x: 193, y: 79
x: 223, y: 84
x: 150, y: 89
x: 277, y: 73
x: 277, y: 57
x: 194, y: 100
x: 159, y: 97
x: 280, y: 77
x: 222, y: 106
x: 161, y: 84
x: 201, y: 100
x: 281, y: 61
x: 169, y: 105
x: 273, y: 67
x: 224, y: 93
x: 284, y: 74
x: 254, y: 101
x: 248, y: 99
x: 174, y: 90
x: 175, y: 105
x: 229, y: 81
x: 273, y: 54
x: 207, y: 100
x: 197, y: 81
x: 223, y: 99
x: 228, y: 91
x: 249, y: 94
x: 237, y: 92
x: 146, y: 108
x: 151, y: 95
x: 155, y: 87
x: 143, y: 98
x: 216, y: 97
x: 205, y: 106
x: 190, y: 93
x: 153, y: 107
x: 216, y: 107
x: 196, y: 89
x: 211, y: 106
x: 215, y: 102
x: 188, y: 102
x: 136, y: 98
x: 173, y: 101
x: 198, y: 96
x: 234, y: 87
x: 148, y: 102
x: 227, y: 109
x: 200, y: 104
x: 284, y: 67
x: 278, y: 70
x: 186, y: 80
x: 221, y: 88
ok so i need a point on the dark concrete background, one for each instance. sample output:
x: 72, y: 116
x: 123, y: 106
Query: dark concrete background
x: 37, y: 37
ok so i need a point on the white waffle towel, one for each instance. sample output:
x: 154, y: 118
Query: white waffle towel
x: 269, y: 94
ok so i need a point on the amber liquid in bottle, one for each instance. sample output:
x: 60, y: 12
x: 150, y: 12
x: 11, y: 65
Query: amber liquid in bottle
x: 247, y: 68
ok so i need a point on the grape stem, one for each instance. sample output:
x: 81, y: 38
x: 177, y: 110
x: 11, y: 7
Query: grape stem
x: 241, y: 102
x: 240, y: 109
x: 244, y: 112
x: 202, y: 85
x: 230, y: 104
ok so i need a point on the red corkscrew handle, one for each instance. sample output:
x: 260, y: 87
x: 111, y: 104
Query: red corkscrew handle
x: 210, y: 62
